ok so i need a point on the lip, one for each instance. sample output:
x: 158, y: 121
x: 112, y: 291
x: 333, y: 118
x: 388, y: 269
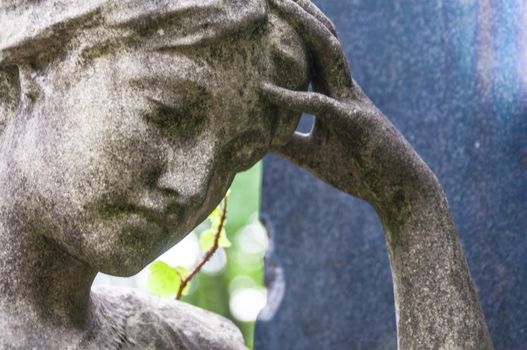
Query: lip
x: 150, y: 214
x: 160, y: 216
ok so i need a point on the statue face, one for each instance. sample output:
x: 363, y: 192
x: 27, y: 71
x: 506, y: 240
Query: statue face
x: 130, y: 151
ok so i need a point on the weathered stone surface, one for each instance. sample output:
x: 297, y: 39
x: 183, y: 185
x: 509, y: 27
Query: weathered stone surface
x: 142, y: 321
x: 122, y: 125
x: 451, y: 76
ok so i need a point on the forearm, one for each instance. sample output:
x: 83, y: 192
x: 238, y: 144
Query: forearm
x: 437, y: 306
x: 436, y: 303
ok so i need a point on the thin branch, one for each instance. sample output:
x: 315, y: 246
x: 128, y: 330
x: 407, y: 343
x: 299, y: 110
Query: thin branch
x: 208, y: 254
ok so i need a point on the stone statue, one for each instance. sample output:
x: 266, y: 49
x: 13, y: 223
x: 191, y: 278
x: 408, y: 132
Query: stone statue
x: 123, y: 123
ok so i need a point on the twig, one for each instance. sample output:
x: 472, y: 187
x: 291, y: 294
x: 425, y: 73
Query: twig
x: 208, y: 254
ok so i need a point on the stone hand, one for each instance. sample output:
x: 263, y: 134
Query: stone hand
x: 352, y: 146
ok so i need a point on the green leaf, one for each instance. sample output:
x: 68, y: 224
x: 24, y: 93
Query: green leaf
x: 215, y: 217
x: 163, y: 280
x: 206, y: 239
x: 224, y: 240
x: 183, y: 271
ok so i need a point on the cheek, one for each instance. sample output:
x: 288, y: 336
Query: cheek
x: 218, y: 186
x: 99, y: 158
x: 99, y: 173
x: 101, y: 141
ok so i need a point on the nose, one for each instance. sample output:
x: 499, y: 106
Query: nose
x: 187, y: 174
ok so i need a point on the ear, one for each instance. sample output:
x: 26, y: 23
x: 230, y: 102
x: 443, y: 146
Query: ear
x: 9, y: 94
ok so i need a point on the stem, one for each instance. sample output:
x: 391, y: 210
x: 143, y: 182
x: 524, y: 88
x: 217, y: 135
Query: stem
x: 208, y: 254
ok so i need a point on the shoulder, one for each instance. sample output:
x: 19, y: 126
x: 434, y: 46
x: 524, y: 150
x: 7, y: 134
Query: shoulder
x: 149, y: 322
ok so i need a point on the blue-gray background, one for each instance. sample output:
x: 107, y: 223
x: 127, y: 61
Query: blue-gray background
x: 452, y: 76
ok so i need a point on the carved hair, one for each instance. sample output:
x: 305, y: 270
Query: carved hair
x: 28, y: 39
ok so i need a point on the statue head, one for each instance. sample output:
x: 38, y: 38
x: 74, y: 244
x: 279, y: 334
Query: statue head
x: 123, y: 123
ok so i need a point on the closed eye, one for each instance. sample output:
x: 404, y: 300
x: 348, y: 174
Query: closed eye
x: 178, y: 106
x: 186, y: 119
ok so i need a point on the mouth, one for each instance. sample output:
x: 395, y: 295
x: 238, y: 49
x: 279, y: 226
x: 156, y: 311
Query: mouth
x: 149, y: 213
x: 166, y: 217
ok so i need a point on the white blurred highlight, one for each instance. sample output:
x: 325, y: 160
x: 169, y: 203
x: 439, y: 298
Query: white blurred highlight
x: 246, y: 303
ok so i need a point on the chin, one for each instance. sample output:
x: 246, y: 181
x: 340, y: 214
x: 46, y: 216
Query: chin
x: 124, y: 246
x: 125, y: 260
x: 128, y: 260
x: 122, y: 264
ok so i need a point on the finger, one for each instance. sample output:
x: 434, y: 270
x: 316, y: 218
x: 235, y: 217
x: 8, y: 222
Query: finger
x: 309, y: 102
x: 314, y: 11
x: 332, y: 70
x: 329, y: 113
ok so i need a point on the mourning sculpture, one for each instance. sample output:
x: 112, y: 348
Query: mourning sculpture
x: 123, y: 123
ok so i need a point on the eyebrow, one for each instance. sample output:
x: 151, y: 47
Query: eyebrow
x: 163, y: 86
